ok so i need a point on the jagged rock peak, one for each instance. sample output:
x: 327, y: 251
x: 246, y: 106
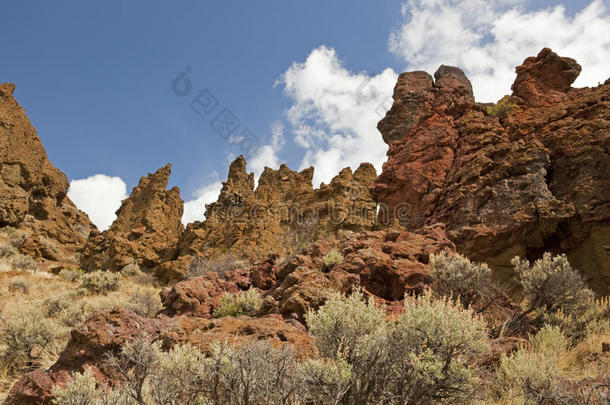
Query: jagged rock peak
x: 146, y: 230
x: 543, y: 79
x: 417, y: 96
x: 33, y: 192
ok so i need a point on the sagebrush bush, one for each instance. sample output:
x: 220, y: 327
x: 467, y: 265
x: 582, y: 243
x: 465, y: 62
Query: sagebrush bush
x: 333, y: 258
x: 7, y: 250
x: 100, y: 282
x: 25, y: 263
x: 19, y: 284
x: 426, y: 355
x: 201, y: 266
x: 433, y: 346
x: 25, y: 337
x: 551, y: 283
x: 70, y: 274
x: 456, y: 276
x: 145, y: 302
x: 325, y: 381
x: 242, y: 303
x: 532, y: 371
x: 80, y: 391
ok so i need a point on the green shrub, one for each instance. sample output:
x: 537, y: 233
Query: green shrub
x: 70, y: 274
x: 80, y: 391
x: 145, y: 302
x: 433, y: 347
x: 100, y: 282
x: 25, y: 263
x: 551, y: 283
x: 531, y: 373
x: 7, y: 250
x: 325, y: 381
x: 200, y: 266
x: 333, y: 258
x: 19, y: 284
x: 456, y: 276
x: 26, y: 336
x: 243, y: 303
x: 501, y: 108
x: 352, y: 330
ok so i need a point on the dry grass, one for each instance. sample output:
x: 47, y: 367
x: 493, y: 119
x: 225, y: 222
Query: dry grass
x: 61, y: 301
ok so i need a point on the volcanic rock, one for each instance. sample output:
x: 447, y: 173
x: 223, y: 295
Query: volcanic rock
x: 282, y: 213
x: 33, y: 193
x: 530, y: 177
x: 146, y: 230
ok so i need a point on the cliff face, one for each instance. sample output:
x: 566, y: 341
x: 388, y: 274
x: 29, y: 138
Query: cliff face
x: 522, y: 177
x: 284, y: 211
x: 146, y: 230
x: 33, y: 192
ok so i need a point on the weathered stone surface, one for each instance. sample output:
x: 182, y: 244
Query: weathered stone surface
x: 146, y: 230
x: 33, y: 193
x: 282, y: 213
x: 531, y: 178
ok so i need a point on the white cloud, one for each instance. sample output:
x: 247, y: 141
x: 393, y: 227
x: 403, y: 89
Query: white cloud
x: 194, y: 210
x: 99, y: 196
x: 335, y: 113
x: 489, y: 38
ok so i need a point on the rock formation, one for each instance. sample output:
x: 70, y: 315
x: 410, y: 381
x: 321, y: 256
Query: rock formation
x: 283, y: 212
x: 146, y: 230
x: 522, y: 177
x: 33, y: 193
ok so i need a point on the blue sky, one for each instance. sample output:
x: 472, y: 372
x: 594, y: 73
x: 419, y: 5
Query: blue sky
x: 95, y: 78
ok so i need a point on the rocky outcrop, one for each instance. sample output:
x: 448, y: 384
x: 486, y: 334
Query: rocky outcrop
x: 33, y: 193
x: 526, y: 176
x: 282, y: 213
x: 146, y: 230
x: 91, y: 342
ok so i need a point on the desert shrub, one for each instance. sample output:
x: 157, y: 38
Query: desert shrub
x: 243, y: 303
x: 182, y: 377
x: 19, y: 284
x: 325, y: 381
x: 100, y: 282
x: 25, y: 263
x: 501, y: 108
x: 80, y: 391
x: 352, y: 330
x: 200, y: 266
x: 70, y: 274
x: 589, y: 317
x: 457, y: 276
x: 137, y: 361
x: 333, y: 258
x: 55, y: 305
x: 145, y: 302
x: 255, y: 373
x: 7, y: 250
x: 433, y: 346
x: 532, y: 372
x: 26, y: 335
x: 551, y: 283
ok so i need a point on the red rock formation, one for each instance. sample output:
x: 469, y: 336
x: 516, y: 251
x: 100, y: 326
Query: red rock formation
x: 533, y: 177
x: 146, y: 230
x: 33, y: 193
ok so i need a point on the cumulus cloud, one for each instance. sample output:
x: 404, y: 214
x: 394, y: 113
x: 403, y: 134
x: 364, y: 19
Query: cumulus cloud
x: 194, y: 210
x: 489, y: 38
x: 99, y: 196
x: 335, y: 113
